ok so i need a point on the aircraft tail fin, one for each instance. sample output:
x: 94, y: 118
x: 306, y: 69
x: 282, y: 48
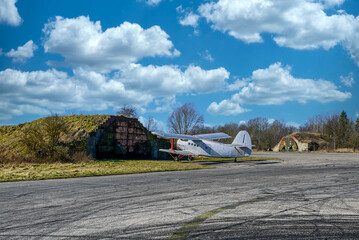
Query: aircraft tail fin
x: 243, y: 139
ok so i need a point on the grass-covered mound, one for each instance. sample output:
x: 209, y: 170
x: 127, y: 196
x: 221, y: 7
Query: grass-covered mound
x: 49, y: 139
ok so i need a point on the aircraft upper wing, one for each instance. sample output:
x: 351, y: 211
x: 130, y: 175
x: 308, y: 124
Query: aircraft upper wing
x: 209, y: 136
x: 175, y: 136
x: 213, y: 136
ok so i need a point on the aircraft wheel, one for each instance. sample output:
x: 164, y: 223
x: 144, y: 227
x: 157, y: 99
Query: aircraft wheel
x: 235, y: 159
x: 189, y: 158
x: 176, y: 158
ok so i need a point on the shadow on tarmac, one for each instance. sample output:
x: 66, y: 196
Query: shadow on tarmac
x: 244, y: 162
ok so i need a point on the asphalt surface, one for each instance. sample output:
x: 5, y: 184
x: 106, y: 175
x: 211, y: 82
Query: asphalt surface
x: 304, y: 196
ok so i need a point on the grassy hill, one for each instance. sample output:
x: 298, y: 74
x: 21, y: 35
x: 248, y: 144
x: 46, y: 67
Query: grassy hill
x: 13, y: 149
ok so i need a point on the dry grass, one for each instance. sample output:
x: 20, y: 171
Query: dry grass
x: 86, y: 169
x: 345, y: 150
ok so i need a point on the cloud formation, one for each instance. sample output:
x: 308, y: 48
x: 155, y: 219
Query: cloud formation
x: 275, y: 86
x: 84, y: 44
x: 23, y: 52
x: 55, y: 91
x: 348, y: 80
x: 8, y: 13
x: 301, y: 24
x: 153, y: 2
x: 226, y: 107
x: 190, y: 19
x: 167, y: 80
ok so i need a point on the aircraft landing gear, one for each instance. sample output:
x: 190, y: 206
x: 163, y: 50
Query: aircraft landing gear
x: 189, y: 158
x: 235, y: 159
x: 176, y: 158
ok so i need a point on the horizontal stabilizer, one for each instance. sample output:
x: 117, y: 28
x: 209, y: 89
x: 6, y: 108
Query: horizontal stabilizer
x: 237, y: 145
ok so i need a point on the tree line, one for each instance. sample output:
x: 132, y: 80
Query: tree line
x: 337, y: 129
x: 264, y: 135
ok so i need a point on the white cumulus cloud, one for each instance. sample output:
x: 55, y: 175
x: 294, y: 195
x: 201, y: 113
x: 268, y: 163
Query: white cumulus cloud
x: 84, y: 44
x: 23, y: 52
x: 153, y: 2
x: 166, y: 80
x: 190, y: 19
x: 293, y: 124
x: 274, y: 86
x: 226, y: 107
x: 331, y: 3
x: 207, y: 56
x: 43, y: 92
x: 9, y: 13
x: 348, y: 80
x: 300, y: 24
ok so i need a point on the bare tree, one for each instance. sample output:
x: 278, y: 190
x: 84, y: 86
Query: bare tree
x: 231, y: 129
x: 128, y: 111
x: 257, y: 128
x: 185, y: 119
x: 151, y: 124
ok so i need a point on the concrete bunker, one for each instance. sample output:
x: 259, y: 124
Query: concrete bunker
x: 302, y: 142
x: 288, y: 143
x: 125, y: 138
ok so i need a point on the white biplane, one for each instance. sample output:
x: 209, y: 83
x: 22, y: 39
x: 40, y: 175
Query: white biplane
x: 204, y: 145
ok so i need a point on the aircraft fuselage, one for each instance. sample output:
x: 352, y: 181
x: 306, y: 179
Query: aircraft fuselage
x: 212, y: 149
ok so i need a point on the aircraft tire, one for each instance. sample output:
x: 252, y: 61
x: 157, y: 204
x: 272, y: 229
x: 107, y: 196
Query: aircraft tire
x: 176, y: 158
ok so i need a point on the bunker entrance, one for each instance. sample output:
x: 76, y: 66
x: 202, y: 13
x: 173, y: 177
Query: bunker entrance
x: 288, y: 144
x: 127, y: 138
x: 313, y: 146
x: 124, y: 139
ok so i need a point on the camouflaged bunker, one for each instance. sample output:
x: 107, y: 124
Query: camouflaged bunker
x: 120, y: 137
x: 301, y: 142
x: 100, y: 136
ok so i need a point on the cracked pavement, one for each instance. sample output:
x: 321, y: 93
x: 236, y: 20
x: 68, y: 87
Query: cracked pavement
x: 304, y: 196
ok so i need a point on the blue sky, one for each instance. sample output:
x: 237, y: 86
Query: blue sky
x: 235, y: 60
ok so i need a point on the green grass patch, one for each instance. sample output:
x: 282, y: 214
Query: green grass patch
x: 100, y: 168
x: 212, y: 159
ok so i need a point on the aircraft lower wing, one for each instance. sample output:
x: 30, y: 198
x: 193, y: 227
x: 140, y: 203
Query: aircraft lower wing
x: 178, y: 152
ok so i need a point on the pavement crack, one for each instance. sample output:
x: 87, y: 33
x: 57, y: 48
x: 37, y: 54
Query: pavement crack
x: 193, y: 224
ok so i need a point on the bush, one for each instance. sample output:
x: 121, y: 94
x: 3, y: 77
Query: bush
x: 44, y: 140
